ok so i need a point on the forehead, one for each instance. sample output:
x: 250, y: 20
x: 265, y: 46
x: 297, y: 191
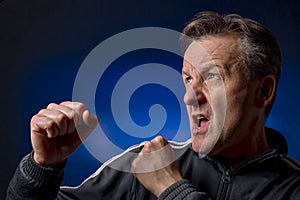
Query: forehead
x: 212, y: 50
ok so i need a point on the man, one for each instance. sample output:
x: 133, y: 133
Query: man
x: 231, y: 70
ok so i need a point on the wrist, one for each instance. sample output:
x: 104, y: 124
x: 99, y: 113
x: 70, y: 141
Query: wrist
x: 167, y: 184
x: 46, y: 163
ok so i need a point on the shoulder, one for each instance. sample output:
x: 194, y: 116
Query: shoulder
x: 292, y: 163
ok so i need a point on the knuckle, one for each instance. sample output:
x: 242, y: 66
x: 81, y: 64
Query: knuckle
x: 75, y: 106
x: 50, y: 123
x: 70, y: 115
x: 33, y: 119
x: 146, y: 148
x: 80, y: 106
x: 158, y: 140
x: 51, y: 105
x: 60, y: 117
x: 42, y: 111
x: 147, y: 144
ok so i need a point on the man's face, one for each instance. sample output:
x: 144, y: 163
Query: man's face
x: 219, y: 97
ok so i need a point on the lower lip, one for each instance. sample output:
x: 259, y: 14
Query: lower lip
x: 196, y: 130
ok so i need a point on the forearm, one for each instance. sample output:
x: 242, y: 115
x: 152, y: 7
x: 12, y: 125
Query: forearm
x: 32, y: 181
x: 182, y: 190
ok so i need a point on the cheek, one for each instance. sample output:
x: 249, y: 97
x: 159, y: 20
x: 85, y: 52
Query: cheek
x: 238, y: 106
x: 218, y: 104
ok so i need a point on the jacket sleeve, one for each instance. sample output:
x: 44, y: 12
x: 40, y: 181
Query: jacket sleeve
x: 182, y: 190
x: 113, y: 180
x: 33, y: 181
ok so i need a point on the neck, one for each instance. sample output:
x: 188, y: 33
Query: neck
x: 250, y: 146
x: 232, y: 162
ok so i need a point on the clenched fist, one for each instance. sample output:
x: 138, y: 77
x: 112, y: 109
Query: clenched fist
x: 155, y: 167
x: 58, y: 130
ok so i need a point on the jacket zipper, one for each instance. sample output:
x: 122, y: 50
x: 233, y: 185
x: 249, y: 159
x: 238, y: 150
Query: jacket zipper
x: 227, y: 179
x: 226, y: 182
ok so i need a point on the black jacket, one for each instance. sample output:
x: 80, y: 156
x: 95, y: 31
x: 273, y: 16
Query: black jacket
x: 269, y: 176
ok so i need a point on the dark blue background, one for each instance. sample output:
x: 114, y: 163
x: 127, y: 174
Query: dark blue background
x: 141, y: 100
x: 43, y: 43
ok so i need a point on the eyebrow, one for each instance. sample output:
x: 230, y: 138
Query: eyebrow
x: 207, y: 67
x: 184, y: 73
x: 224, y: 69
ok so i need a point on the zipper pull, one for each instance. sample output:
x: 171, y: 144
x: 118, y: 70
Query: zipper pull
x: 227, y: 178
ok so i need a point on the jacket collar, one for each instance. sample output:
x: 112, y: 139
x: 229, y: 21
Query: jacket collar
x: 276, y: 141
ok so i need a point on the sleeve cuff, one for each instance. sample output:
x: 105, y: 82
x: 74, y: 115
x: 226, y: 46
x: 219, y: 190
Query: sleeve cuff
x: 178, y: 190
x: 40, y: 173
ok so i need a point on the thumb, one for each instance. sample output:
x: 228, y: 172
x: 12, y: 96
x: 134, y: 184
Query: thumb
x: 89, y: 119
x: 90, y: 122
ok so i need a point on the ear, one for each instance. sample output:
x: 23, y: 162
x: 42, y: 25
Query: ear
x: 265, y: 91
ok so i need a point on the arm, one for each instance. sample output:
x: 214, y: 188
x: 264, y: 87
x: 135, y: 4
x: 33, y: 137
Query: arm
x: 33, y: 181
x: 55, y: 132
x: 156, y: 168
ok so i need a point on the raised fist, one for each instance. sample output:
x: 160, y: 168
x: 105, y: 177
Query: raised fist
x: 58, y: 130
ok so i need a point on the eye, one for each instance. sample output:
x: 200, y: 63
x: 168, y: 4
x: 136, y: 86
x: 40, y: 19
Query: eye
x: 188, y: 80
x: 213, y: 76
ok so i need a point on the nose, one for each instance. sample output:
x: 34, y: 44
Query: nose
x: 194, y: 96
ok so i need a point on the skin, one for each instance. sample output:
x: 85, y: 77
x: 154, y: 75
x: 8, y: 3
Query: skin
x: 54, y: 136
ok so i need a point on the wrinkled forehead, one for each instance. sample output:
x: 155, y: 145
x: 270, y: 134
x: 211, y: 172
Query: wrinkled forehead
x: 196, y: 55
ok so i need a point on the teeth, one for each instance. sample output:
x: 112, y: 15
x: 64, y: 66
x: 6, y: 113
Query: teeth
x: 199, y: 122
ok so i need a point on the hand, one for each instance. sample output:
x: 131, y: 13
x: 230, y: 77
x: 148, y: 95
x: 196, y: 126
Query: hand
x: 58, y: 130
x: 155, y: 166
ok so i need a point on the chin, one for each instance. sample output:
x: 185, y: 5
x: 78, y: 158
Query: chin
x: 198, y: 145
x: 203, y: 146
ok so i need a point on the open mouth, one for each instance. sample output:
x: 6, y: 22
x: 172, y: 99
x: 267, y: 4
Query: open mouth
x: 200, y: 124
x: 201, y: 121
